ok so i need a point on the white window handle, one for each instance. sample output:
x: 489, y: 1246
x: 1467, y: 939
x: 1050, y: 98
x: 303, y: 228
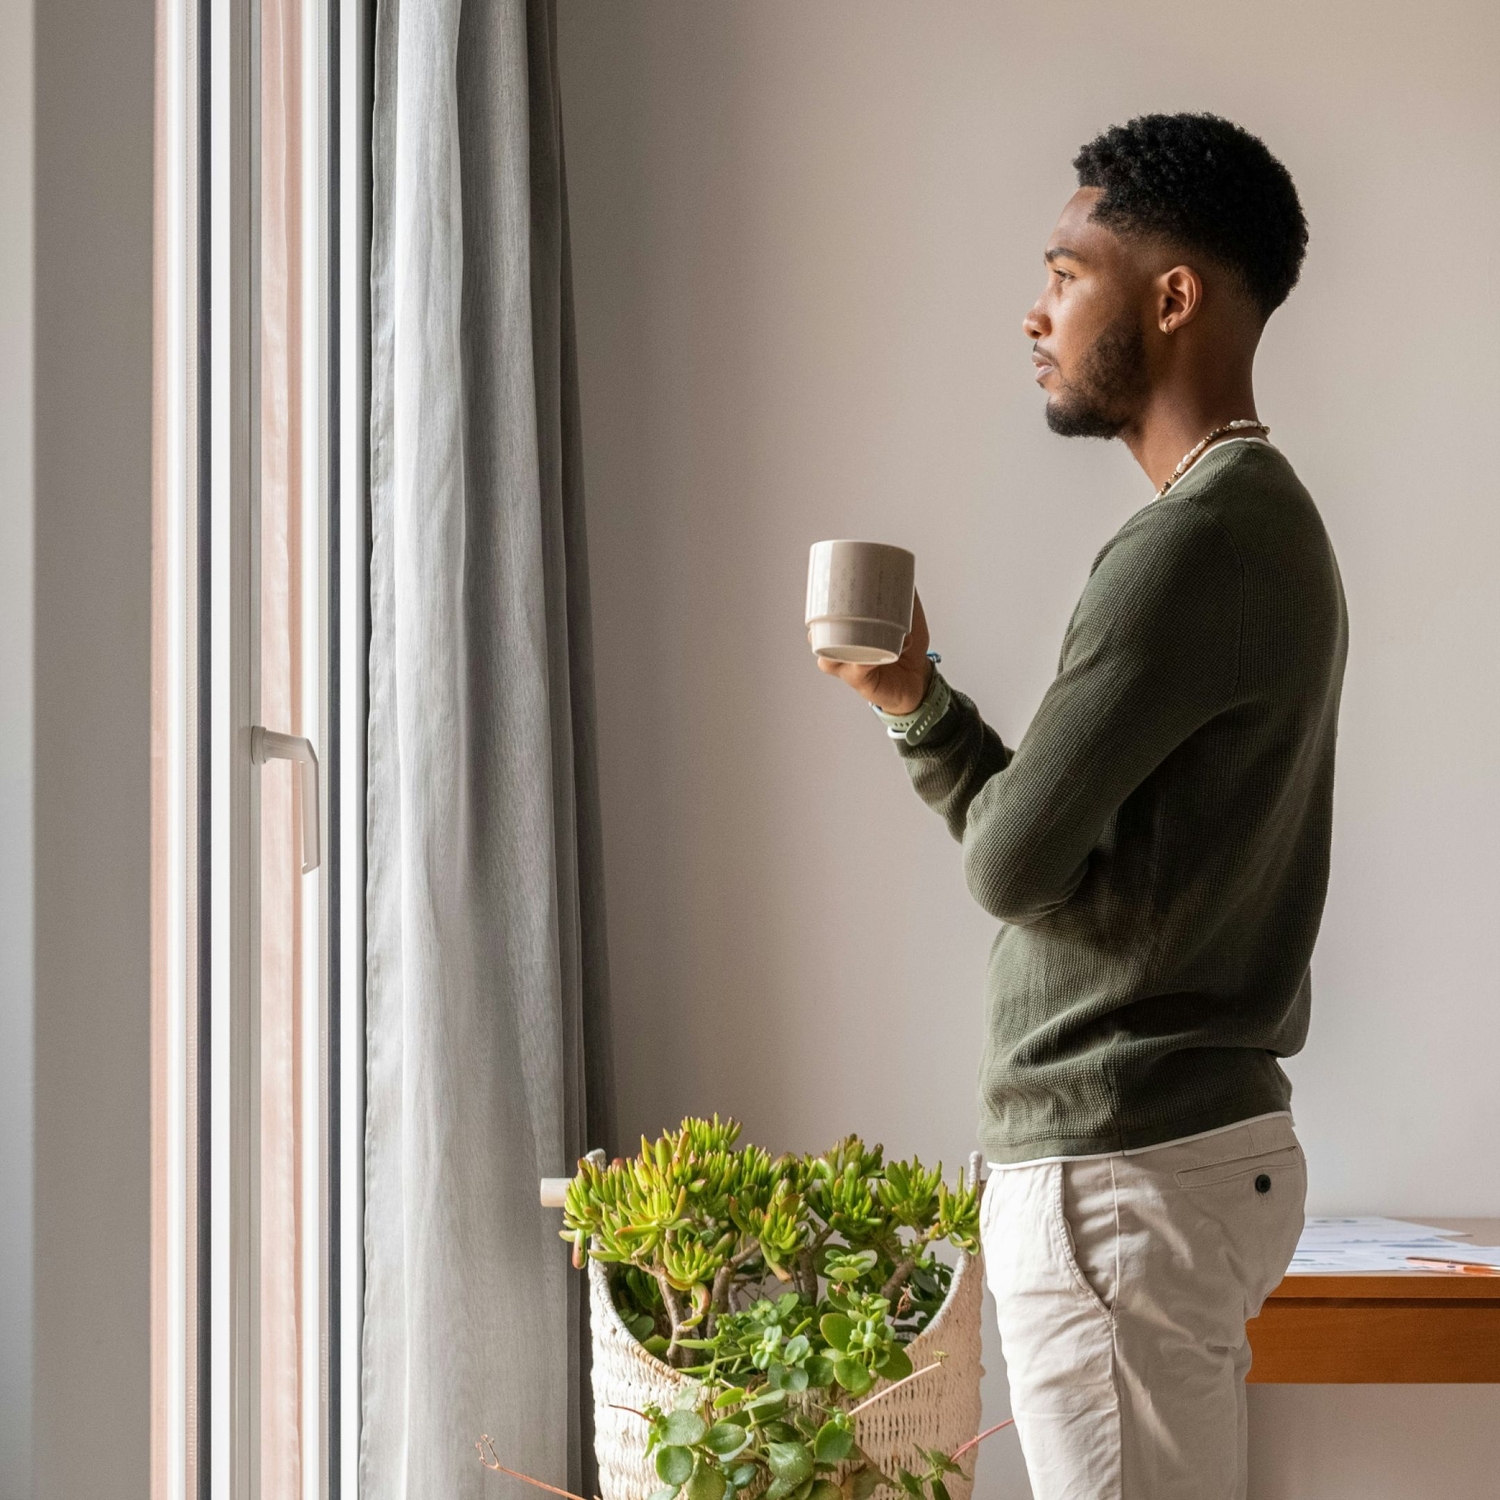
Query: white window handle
x: 266, y: 744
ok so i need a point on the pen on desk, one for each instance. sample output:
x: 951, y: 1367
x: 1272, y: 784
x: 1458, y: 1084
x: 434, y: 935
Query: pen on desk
x: 1468, y: 1267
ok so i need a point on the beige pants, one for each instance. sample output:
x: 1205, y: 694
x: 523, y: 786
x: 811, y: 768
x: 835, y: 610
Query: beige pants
x: 1123, y: 1285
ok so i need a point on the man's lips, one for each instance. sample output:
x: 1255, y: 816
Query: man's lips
x: 1044, y: 367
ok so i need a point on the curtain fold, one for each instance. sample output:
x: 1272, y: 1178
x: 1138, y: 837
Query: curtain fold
x: 488, y: 1048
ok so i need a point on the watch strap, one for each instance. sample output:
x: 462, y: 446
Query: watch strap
x: 919, y: 722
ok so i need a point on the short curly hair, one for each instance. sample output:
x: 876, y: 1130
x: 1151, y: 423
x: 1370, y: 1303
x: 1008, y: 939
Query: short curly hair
x: 1206, y: 184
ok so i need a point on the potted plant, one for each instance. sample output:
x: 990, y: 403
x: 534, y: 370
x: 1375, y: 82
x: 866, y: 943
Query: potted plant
x: 778, y: 1326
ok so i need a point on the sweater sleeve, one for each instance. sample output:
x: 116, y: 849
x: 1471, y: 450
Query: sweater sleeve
x: 1152, y: 654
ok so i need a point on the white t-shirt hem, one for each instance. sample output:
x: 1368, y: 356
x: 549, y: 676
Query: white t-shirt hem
x: 1181, y: 1140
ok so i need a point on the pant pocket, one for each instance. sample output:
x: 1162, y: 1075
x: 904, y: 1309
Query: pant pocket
x: 1256, y: 1203
x: 1084, y: 1215
x: 989, y: 1194
x: 1253, y: 1165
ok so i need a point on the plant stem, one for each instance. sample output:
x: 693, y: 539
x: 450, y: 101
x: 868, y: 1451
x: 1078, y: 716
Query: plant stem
x: 675, y: 1314
x: 974, y: 1442
x: 898, y: 1278
x: 718, y: 1302
x: 808, y: 1275
x: 484, y: 1442
x: 892, y: 1389
x: 724, y: 1284
x: 906, y: 1267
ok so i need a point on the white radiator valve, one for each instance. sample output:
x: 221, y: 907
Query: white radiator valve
x: 555, y: 1189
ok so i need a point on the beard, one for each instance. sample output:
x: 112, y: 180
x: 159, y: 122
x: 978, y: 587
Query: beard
x: 1102, y: 397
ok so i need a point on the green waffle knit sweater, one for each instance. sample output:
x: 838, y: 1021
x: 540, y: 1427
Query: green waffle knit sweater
x: 1157, y: 845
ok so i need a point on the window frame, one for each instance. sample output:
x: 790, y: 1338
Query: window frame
x: 205, y: 883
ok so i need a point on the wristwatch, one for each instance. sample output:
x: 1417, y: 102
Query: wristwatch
x: 913, y: 727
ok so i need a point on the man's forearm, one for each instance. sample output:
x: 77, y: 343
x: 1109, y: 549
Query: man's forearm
x: 951, y: 756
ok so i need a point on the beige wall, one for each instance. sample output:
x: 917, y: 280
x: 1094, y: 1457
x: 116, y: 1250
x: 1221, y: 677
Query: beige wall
x: 804, y: 236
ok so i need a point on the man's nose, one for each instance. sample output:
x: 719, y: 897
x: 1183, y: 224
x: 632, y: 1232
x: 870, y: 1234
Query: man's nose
x: 1035, y: 325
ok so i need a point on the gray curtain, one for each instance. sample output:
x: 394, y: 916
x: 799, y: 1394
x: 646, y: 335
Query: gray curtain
x: 487, y: 1047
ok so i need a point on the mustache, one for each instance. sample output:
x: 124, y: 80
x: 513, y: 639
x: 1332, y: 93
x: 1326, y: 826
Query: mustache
x: 1037, y: 352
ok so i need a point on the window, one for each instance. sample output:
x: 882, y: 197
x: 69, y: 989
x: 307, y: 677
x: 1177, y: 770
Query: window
x: 258, y: 726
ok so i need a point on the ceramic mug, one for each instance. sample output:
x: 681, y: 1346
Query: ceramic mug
x: 859, y: 600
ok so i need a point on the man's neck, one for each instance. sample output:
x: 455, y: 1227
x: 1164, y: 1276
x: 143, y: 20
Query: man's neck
x: 1171, y: 425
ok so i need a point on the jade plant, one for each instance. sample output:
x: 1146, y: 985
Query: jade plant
x: 786, y: 1287
x: 701, y: 1228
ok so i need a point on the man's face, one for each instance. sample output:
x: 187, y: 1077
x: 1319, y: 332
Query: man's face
x: 1087, y: 328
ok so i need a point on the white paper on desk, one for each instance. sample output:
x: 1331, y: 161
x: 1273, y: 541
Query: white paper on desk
x: 1333, y: 1244
x: 1351, y: 1230
x: 1360, y: 1258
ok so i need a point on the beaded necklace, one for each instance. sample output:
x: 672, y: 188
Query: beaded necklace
x: 1191, y: 456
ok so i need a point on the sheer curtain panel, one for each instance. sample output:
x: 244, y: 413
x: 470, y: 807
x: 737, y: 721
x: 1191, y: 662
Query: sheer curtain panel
x: 487, y: 1053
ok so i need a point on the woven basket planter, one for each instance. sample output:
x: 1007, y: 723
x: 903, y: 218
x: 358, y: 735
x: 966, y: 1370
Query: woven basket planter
x: 939, y: 1411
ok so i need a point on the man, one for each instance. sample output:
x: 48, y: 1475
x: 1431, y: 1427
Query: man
x: 1156, y: 847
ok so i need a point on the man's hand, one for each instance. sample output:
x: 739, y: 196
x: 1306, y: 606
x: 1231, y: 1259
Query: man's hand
x: 899, y: 686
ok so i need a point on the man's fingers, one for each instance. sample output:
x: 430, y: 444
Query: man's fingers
x: 857, y: 676
x: 848, y: 671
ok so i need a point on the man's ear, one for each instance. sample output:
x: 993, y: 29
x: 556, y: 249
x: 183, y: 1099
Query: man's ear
x: 1179, y: 296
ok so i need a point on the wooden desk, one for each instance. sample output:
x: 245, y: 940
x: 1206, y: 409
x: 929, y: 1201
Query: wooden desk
x: 1424, y: 1327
